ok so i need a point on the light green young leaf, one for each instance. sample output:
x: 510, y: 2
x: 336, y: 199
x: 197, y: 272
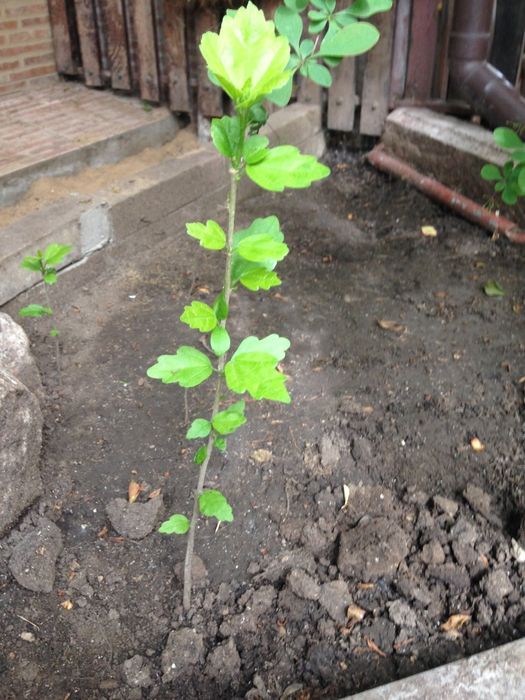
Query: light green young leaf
x: 220, y: 443
x: 213, y: 504
x: 493, y: 289
x: 200, y: 428
x: 200, y: 455
x: 227, y: 421
x: 259, y: 278
x: 188, y: 367
x: 31, y: 262
x: 50, y: 276
x: 274, y: 345
x: 55, y: 253
x: 255, y: 148
x: 54, y: 333
x: 210, y: 235
x: 220, y: 341
x: 285, y: 166
x: 282, y: 95
x: 367, y: 8
x: 35, y: 311
x: 246, y: 57
x: 226, y: 134
x: 252, y: 368
x: 490, y: 172
x: 175, y: 525
x: 261, y: 247
x: 289, y: 24
x: 507, y: 138
x: 200, y: 316
x: 352, y: 40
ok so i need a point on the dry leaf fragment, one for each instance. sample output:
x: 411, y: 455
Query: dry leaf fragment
x: 67, y: 605
x: 521, y: 380
x: 373, y: 647
x: 392, y: 326
x: 346, y: 494
x: 355, y: 613
x: 102, y: 533
x: 154, y: 494
x: 366, y: 586
x: 260, y: 456
x: 429, y: 231
x: 134, y: 490
x: 27, y: 636
x: 477, y: 445
x: 349, y: 217
x: 455, y: 622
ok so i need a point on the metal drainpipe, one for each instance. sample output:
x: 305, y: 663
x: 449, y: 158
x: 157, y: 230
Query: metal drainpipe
x: 471, y: 75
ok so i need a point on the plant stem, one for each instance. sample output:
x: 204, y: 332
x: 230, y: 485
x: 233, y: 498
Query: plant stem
x: 232, y: 203
x: 55, y: 338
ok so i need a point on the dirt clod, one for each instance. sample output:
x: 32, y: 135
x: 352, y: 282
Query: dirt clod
x: 134, y: 520
x: 33, y: 560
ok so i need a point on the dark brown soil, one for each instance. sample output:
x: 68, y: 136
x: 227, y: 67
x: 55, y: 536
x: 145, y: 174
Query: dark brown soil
x: 298, y: 597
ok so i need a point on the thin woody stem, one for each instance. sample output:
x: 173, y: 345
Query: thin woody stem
x: 55, y: 338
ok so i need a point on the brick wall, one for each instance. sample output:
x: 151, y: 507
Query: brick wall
x: 26, y: 48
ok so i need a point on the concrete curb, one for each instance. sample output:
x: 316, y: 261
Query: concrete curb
x: 497, y: 673
x: 121, y: 211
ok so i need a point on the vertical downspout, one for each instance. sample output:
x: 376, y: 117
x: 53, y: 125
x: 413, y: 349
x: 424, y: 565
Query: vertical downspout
x: 471, y: 75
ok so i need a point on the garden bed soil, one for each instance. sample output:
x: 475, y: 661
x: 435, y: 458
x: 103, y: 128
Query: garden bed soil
x: 398, y: 361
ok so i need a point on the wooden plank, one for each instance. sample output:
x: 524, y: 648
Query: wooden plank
x: 400, y: 50
x: 441, y: 70
x: 209, y: 97
x: 62, y: 40
x: 175, y: 55
x: 88, y: 38
x: 342, y: 97
x: 376, y: 79
x: 422, y: 51
x: 114, y: 28
x: 144, y: 33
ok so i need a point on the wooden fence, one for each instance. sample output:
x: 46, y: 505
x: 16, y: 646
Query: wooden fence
x: 148, y: 48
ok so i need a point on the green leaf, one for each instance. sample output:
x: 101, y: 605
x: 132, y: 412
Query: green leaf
x: 259, y: 278
x: 352, y: 40
x: 521, y: 181
x: 493, y: 289
x: 220, y: 307
x: 367, y: 8
x: 507, y: 138
x: 289, y: 24
x: 518, y: 155
x: 490, y: 172
x: 220, y: 341
x: 210, y: 235
x: 175, y: 525
x: 306, y: 48
x: 200, y: 316
x: 227, y: 421
x: 220, y: 443
x: 213, y: 504
x: 247, y: 57
x: 188, y: 367
x: 200, y: 428
x: 257, y: 117
x: 261, y: 247
x: 252, y: 369
x: 273, y: 345
x: 50, y: 276
x: 296, y: 5
x: 255, y: 148
x: 318, y: 74
x: 285, y: 166
x: 317, y: 27
x: 200, y: 455
x: 54, y: 333
x: 226, y: 134
x: 55, y: 254
x: 31, y: 262
x: 35, y: 311
x: 509, y: 195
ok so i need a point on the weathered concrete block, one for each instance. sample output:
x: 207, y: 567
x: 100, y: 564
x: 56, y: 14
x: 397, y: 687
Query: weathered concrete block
x: 15, y: 354
x: 20, y: 443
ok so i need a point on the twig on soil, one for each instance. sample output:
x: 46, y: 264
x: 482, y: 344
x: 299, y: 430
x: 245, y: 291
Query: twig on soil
x: 28, y: 621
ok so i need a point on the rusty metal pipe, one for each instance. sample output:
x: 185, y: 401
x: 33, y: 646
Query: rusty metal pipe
x: 471, y: 75
x: 465, y: 207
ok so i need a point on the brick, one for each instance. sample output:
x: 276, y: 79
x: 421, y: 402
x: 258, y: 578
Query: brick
x: 33, y: 72
x: 9, y: 65
x: 35, y: 60
x: 20, y: 50
x: 10, y: 24
x: 25, y: 9
x: 36, y: 21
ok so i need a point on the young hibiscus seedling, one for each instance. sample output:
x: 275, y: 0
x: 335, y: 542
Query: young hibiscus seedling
x: 252, y: 60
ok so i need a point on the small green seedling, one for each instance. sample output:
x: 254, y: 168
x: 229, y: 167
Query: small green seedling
x: 509, y: 181
x: 46, y: 263
x: 252, y: 64
x: 493, y: 289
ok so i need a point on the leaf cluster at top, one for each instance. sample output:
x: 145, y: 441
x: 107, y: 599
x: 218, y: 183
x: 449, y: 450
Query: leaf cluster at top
x: 509, y: 181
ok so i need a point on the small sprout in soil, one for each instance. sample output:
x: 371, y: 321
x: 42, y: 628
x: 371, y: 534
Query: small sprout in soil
x: 493, y: 289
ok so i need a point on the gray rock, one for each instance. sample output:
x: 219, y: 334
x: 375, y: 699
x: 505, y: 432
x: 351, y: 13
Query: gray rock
x: 280, y: 565
x: 432, y: 553
x: 20, y: 443
x: 446, y: 505
x: 373, y: 549
x: 383, y: 633
x: 16, y: 357
x: 223, y: 665
x: 199, y: 572
x: 452, y: 575
x: 373, y: 501
x: 480, y: 501
x: 497, y: 586
x: 464, y: 554
x: 402, y: 614
x: 184, y: 650
x: 33, y: 560
x: 262, y: 600
x: 134, y: 520
x: 464, y: 532
x: 137, y: 672
x: 335, y: 599
x: 414, y: 589
x: 303, y: 585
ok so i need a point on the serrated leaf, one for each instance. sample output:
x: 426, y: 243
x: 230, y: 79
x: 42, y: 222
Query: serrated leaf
x: 289, y: 24
x: 200, y: 428
x: 252, y: 369
x: 273, y: 345
x: 220, y: 341
x: 367, y: 8
x: 490, y: 172
x: 35, y: 311
x: 31, y: 262
x: 200, y: 316
x: 261, y: 247
x: 352, y: 40
x: 213, y: 504
x: 50, y: 276
x: 259, y: 278
x: 55, y: 253
x: 227, y: 421
x: 507, y: 138
x: 188, y: 367
x: 285, y: 166
x: 493, y: 289
x: 226, y: 134
x: 200, y: 455
x: 254, y: 148
x: 175, y: 525
x: 282, y: 95
x: 210, y: 235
